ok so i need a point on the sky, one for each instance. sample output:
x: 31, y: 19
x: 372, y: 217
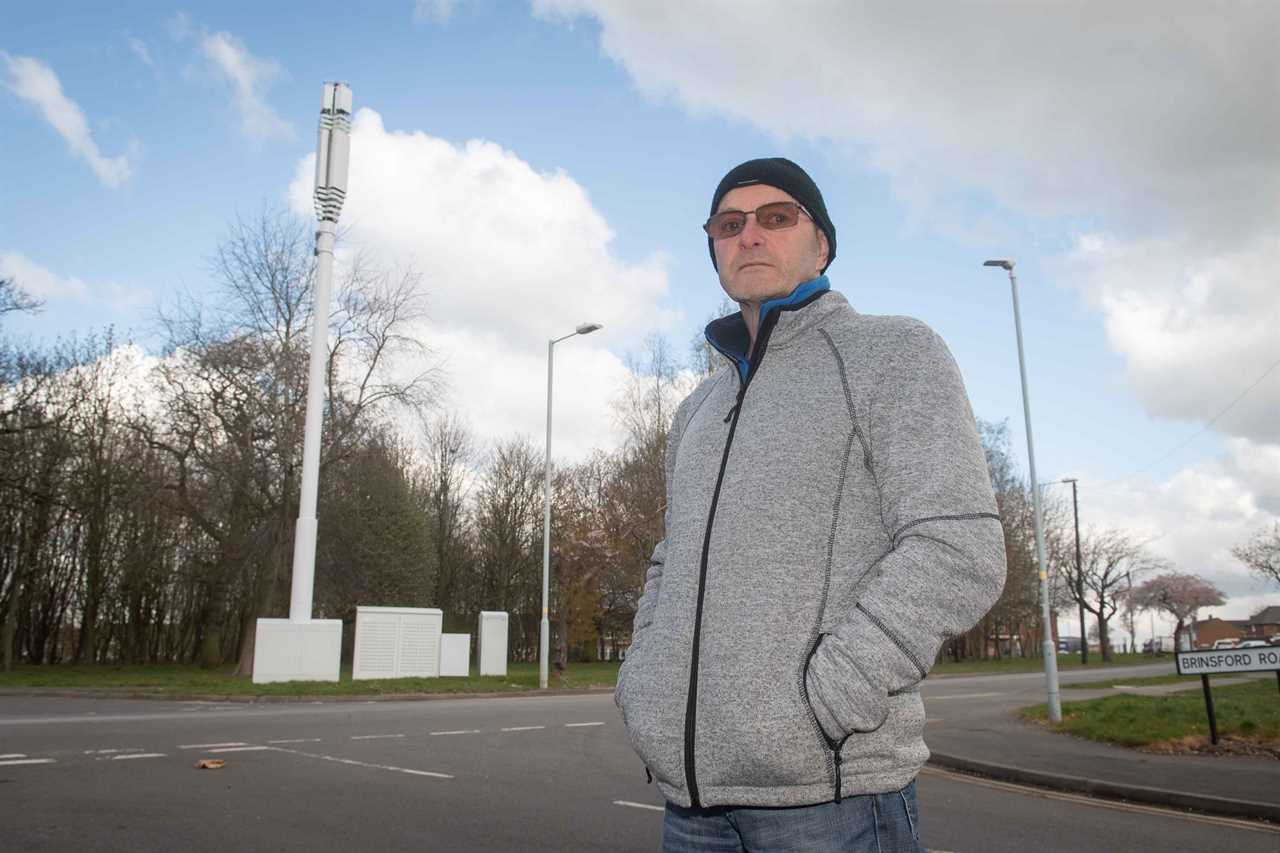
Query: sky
x: 549, y: 163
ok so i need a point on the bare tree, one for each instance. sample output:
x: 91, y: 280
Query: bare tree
x: 508, y: 539
x: 582, y: 555
x: 47, y: 426
x: 234, y: 388
x: 443, y: 488
x: 1016, y: 612
x: 1179, y: 595
x: 636, y: 485
x: 1262, y: 554
x: 1109, y: 559
x: 703, y: 358
x: 14, y: 298
x: 378, y: 548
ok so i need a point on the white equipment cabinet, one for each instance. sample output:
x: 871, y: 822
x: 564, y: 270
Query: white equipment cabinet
x: 397, y: 642
x: 455, y: 655
x: 493, y: 642
x: 309, y: 650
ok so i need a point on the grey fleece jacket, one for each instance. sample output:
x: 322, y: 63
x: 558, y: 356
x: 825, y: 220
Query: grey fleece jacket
x: 830, y: 523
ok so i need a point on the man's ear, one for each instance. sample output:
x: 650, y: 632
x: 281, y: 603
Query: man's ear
x: 824, y: 249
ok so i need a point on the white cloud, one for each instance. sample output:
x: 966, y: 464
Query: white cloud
x: 249, y: 77
x: 1197, y: 328
x: 502, y: 388
x: 1152, y: 123
x: 1194, y: 518
x: 38, y: 281
x: 433, y: 10
x: 47, y: 286
x: 509, y: 258
x: 36, y: 83
x: 1152, y: 112
x: 139, y: 48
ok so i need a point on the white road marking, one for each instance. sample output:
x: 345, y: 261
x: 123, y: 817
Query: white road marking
x: 212, y: 745
x: 13, y: 755
x: 522, y: 728
x: 12, y: 762
x: 297, y: 740
x: 373, y: 737
x: 576, y: 725
x: 109, y: 751
x: 961, y: 696
x: 128, y: 755
x: 239, y: 749
x: 352, y: 761
x: 638, y: 805
x: 458, y: 732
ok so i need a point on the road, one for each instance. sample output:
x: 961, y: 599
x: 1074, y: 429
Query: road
x: 549, y: 773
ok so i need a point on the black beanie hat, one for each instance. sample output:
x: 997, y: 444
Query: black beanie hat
x: 787, y: 176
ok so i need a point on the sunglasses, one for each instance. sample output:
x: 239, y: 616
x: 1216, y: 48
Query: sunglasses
x: 774, y: 216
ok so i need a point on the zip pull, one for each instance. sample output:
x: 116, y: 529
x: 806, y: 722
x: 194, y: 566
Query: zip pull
x: 648, y: 777
x: 838, y: 761
x: 737, y: 404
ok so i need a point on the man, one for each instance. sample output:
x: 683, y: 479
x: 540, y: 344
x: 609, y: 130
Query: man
x: 830, y: 523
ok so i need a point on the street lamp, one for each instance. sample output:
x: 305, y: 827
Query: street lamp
x: 1079, y: 590
x: 1050, y: 653
x: 544, y: 638
x: 1075, y: 511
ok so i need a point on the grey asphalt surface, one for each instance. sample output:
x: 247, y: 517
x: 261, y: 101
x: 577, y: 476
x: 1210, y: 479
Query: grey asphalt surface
x: 972, y: 719
x: 547, y: 783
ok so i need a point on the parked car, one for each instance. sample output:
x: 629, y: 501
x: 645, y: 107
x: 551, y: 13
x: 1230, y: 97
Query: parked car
x: 1253, y: 644
x: 1223, y: 644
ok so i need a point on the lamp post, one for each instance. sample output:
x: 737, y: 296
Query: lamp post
x: 1079, y: 584
x: 544, y: 637
x: 1075, y: 510
x: 1050, y: 653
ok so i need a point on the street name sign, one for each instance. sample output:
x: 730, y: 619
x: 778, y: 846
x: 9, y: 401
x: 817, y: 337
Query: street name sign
x: 1222, y: 661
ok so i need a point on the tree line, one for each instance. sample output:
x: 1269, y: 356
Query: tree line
x: 151, y: 520
x: 147, y: 505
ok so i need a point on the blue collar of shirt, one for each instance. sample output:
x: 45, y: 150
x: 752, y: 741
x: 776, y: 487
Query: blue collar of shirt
x: 729, y: 334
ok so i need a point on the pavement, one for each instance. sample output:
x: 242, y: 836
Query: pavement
x: 994, y: 742
x: 974, y: 728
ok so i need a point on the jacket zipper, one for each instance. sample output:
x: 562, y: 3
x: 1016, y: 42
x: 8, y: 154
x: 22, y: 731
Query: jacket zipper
x: 691, y: 705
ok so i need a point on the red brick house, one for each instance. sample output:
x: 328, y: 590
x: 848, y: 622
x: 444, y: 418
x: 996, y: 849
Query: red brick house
x: 1208, y: 631
x: 1263, y: 624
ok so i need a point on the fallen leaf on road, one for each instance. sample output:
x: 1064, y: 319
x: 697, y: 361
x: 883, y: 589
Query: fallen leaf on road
x: 209, y: 763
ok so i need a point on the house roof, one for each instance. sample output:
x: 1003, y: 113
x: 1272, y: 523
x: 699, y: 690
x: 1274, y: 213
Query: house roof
x: 1267, y: 616
x: 1234, y: 623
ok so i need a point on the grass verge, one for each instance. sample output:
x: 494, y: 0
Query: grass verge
x: 1244, y: 710
x: 1121, y: 681
x: 178, y: 680
x: 189, y: 680
x: 1065, y: 662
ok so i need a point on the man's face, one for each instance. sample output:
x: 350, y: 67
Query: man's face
x: 758, y: 265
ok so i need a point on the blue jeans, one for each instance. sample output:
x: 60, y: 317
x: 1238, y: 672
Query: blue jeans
x: 870, y: 823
